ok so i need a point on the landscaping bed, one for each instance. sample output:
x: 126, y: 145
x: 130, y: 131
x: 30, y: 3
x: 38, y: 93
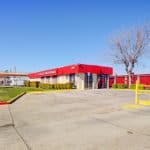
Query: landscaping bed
x: 132, y: 86
x: 8, y: 93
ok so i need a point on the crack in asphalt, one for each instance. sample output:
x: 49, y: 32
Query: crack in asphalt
x: 7, y: 125
x: 14, y: 127
x: 129, y: 130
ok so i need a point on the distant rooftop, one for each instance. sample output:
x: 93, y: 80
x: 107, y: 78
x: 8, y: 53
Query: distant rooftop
x: 6, y: 74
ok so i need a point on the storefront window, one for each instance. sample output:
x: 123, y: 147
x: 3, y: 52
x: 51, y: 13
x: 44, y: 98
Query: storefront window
x: 101, y: 81
x: 47, y: 79
x: 54, y: 79
x: 72, y: 78
x: 88, y: 80
x: 42, y: 79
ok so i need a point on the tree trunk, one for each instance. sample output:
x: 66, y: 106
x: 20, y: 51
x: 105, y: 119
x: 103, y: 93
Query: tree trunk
x: 129, y: 81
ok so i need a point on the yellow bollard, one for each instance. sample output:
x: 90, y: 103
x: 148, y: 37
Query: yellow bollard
x: 136, y: 93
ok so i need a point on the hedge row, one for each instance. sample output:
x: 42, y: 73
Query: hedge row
x: 27, y: 83
x: 56, y: 86
x: 140, y: 86
x: 124, y: 86
x: 31, y: 84
x: 119, y: 86
x: 48, y: 86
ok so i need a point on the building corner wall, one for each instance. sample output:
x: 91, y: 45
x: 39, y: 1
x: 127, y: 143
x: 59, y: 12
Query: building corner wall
x: 94, y: 86
x: 107, y: 81
x: 79, y: 81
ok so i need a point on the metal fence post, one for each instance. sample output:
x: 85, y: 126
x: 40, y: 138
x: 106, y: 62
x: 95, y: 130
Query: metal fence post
x: 136, y: 92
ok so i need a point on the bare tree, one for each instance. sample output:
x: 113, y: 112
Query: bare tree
x: 130, y: 46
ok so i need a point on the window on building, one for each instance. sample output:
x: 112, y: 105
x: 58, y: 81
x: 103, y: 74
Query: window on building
x: 54, y: 79
x: 47, y: 79
x: 101, y: 81
x: 42, y: 79
x: 88, y: 80
x: 72, y: 78
x: 67, y: 77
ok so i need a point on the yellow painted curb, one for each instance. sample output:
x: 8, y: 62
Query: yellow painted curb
x: 123, y: 89
x: 48, y: 91
x: 142, y: 91
x: 35, y: 92
x: 144, y: 102
x: 131, y: 106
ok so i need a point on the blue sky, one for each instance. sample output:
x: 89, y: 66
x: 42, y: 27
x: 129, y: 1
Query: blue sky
x: 42, y: 34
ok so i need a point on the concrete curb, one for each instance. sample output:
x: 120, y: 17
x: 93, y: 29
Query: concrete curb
x: 15, y: 98
x: 131, y: 106
x: 123, y: 89
x: 131, y: 90
x: 144, y: 102
x: 3, y: 103
x: 32, y: 92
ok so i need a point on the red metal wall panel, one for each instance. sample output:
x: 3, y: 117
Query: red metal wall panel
x: 67, y: 70
x: 120, y: 79
x: 50, y: 72
x: 77, y: 68
x: 145, y: 80
x: 111, y: 81
x: 133, y: 79
x: 89, y: 68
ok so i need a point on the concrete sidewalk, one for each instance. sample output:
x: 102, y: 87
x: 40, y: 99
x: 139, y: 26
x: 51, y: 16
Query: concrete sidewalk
x: 75, y: 120
x: 9, y: 138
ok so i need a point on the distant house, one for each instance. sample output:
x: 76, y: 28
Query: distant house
x: 12, y: 79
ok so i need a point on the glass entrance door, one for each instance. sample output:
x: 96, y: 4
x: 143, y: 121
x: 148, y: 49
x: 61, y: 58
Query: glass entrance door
x: 101, y: 81
x: 88, y: 81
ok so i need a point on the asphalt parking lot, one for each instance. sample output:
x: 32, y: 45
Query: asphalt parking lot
x: 74, y: 120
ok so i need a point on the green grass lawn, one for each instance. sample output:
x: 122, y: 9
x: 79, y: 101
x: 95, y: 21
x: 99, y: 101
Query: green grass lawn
x: 7, y: 93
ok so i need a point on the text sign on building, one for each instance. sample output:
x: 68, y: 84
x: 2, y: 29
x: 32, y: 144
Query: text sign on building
x: 50, y: 72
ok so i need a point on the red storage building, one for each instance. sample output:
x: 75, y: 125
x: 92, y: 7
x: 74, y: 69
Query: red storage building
x: 123, y: 79
x: 82, y: 75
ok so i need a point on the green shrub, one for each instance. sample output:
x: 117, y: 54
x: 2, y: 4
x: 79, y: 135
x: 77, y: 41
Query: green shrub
x: 44, y: 85
x: 34, y: 84
x: 41, y: 85
x: 55, y: 86
x: 132, y: 86
x: 51, y: 86
x: 121, y: 86
x: 27, y: 83
x: 69, y: 85
x: 114, y: 86
x: 63, y: 86
x: 60, y: 86
x: 140, y: 86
